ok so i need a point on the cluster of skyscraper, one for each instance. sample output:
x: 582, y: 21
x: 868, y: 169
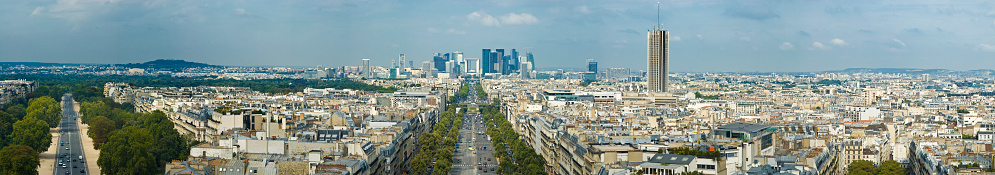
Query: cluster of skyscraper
x: 493, y: 62
x: 497, y: 62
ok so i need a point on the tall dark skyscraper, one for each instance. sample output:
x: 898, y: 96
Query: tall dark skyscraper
x: 499, y: 61
x: 485, y: 61
x: 495, y: 64
x: 440, y: 62
x: 528, y: 56
x: 592, y: 66
x: 513, y: 64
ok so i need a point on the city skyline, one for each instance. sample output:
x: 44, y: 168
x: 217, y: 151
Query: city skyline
x: 716, y: 36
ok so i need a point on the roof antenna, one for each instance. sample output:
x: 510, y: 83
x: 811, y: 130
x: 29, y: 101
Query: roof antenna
x: 658, y: 25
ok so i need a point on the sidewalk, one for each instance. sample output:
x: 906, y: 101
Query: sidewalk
x: 47, y: 158
x: 91, y: 154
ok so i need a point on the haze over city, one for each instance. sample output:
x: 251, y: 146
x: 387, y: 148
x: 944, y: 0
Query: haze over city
x: 705, y: 35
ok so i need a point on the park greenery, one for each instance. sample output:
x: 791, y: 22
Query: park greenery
x: 864, y: 167
x: 706, y: 97
x: 519, y: 158
x: 24, y: 130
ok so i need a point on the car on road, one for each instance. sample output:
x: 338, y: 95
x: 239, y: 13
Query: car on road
x: 492, y: 169
x: 67, y: 148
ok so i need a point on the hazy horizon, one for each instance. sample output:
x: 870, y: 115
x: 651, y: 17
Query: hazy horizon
x: 706, y: 36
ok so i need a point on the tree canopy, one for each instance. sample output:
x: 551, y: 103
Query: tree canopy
x: 128, y: 151
x: 891, y: 167
x: 100, y: 129
x: 46, y: 109
x: 18, y: 159
x: 6, y: 127
x: 31, y: 132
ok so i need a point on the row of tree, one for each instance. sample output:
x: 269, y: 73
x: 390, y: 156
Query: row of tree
x: 439, y: 144
x: 480, y: 92
x: 276, y: 86
x: 131, y: 143
x: 24, y: 131
x: 523, y: 159
x: 864, y: 167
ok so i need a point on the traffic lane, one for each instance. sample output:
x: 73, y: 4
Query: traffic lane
x: 70, y: 145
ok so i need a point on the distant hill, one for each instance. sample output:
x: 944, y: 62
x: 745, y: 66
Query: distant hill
x: 167, y: 64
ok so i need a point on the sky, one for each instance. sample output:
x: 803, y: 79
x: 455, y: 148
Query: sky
x: 705, y: 36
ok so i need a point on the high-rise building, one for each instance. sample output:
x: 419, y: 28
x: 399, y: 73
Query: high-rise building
x: 592, y: 66
x: 367, y: 71
x: 513, y: 63
x: 426, y: 66
x: 400, y: 61
x: 528, y: 57
x: 495, y: 64
x: 658, y: 59
x: 485, y: 60
x: 456, y: 56
x: 440, y: 62
x: 499, y: 61
x: 615, y: 73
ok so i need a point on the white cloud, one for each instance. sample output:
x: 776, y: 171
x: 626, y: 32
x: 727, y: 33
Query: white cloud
x: 454, y: 31
x: 745, y: 38
x: 986, y: 47
x: 509, y: 19
x: 37, y: 11
x: 786, y: 46
x: 675, y: 38
x: 899, y: 42
x: 583, y: 9
x: 698, y: 36
x: 818, y: 45
x: 522, y: 18
x: 240, y: 11
x: 432, y: 30
x: 483, y: 18
x: 838, y: 42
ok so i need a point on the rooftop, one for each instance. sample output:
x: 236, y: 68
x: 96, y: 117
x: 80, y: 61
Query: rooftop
x: 743, y: 127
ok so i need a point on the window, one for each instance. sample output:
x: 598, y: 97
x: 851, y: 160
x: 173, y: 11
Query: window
x: 707, y: 167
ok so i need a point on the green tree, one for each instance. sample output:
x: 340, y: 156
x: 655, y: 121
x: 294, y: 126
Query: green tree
x: 419, y: 165
x: 6, y: 127
x: 128, y: 151
x: 17, y: 111
x: 46, y: 109
x: 100, y: 129
x: 18, y: 159
x: 31, y: 132
x: 891, y: 167
x: 862, y: 166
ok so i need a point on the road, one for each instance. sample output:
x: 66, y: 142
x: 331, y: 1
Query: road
x: 70, y: 146
x: 480, y: 159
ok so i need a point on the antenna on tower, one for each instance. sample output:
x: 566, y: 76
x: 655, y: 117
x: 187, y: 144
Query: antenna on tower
x: 658, y: 25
